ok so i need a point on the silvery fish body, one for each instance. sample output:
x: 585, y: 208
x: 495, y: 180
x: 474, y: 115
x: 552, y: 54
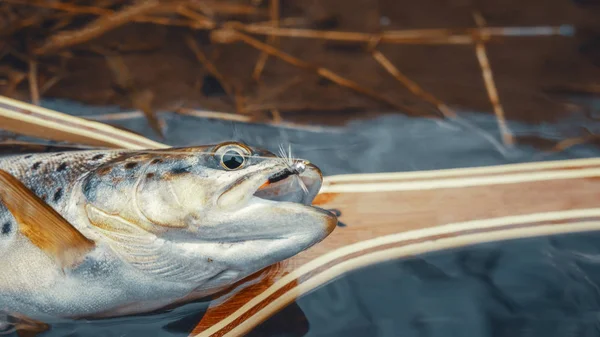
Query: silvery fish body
x: 166, y: 224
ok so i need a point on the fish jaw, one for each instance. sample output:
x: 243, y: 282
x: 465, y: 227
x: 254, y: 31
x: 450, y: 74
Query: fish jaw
x: 275, y: 222
x: 262, y: 233
x: 265, y: 205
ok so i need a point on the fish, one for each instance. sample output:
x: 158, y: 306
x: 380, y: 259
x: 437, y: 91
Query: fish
x: 100, y: 233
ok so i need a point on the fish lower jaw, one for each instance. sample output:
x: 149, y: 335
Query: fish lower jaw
x: 249, y: 256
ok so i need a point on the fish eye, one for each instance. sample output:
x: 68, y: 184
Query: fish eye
x: 232, y: 160
x: 231, y: 155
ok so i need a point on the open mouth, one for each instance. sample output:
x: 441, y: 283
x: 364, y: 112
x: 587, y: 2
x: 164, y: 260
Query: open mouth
x: 279, y: 207
x: 289, y: 185
x: 298, y: 183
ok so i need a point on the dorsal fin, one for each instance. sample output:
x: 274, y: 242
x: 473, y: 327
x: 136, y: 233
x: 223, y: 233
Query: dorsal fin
x: 42, y: 225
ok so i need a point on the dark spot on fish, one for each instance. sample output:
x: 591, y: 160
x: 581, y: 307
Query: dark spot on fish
x: 104, y: 170
x: 210, y: 260
x: 44, y: 197
x: 97, y: 157
x: 58, y: 154
x: 131, y: 165
x: 90, y: 187
x: 181, y: 170
x: 149, y: 175
x: 36, y: 165
x: 61, y: 167
x: 28, y: 156
x: 6, y: 228
x: 156, y: 161
x: 57, y: 195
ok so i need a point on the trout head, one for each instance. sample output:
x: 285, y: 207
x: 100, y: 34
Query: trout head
x: 209, y: 215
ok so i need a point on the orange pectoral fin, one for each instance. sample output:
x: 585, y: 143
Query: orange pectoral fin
x: 42, y: 225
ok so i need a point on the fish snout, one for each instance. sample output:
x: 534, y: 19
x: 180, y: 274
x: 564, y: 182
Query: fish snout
x: 329, y: 220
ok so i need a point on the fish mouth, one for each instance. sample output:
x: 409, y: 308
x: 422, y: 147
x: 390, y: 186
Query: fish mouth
x: 297, y: 184
x: 274, y: 207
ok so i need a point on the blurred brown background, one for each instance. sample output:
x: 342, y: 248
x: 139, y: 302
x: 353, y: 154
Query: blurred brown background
x: 153, y: 55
